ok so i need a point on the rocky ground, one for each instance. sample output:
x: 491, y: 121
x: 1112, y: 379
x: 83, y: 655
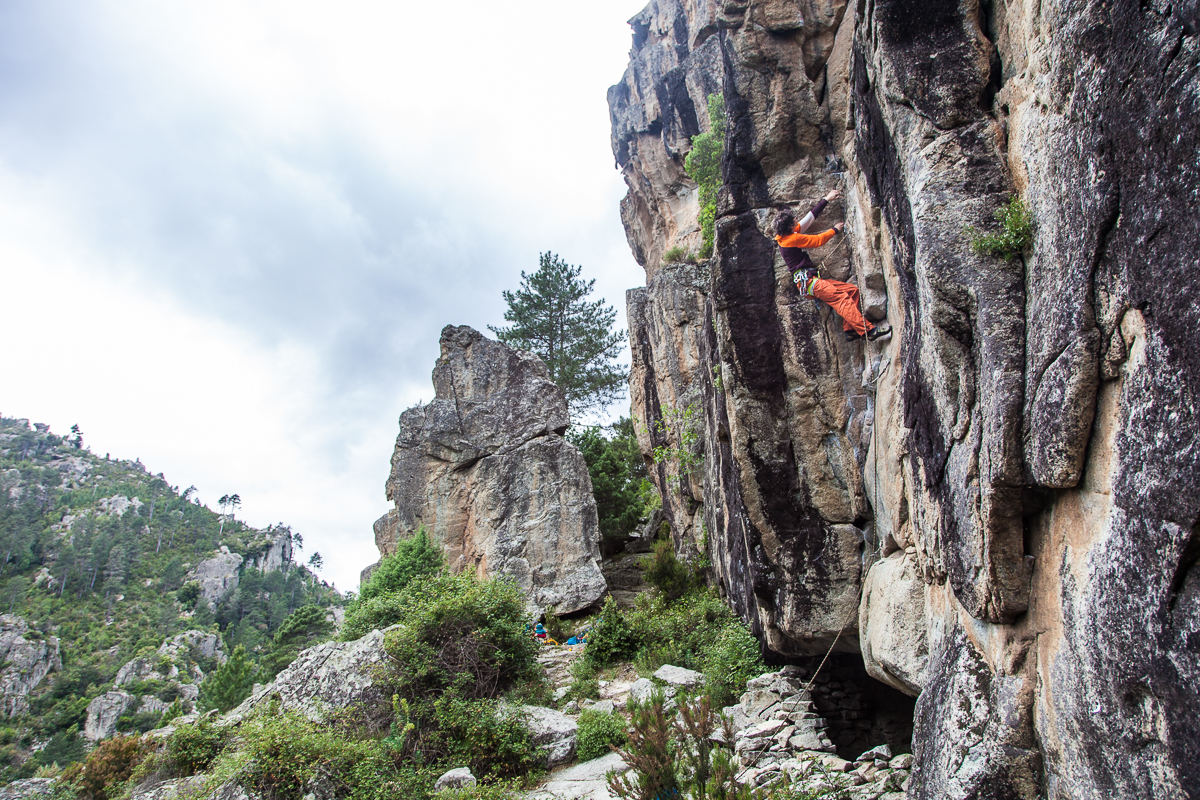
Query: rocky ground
x: 778, y: 735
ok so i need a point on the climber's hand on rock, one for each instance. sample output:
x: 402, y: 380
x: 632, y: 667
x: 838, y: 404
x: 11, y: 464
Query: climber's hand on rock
x: 833, y: 195
x: 839, y: 226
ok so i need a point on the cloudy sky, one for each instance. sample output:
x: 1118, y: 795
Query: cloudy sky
x: 231, y: 232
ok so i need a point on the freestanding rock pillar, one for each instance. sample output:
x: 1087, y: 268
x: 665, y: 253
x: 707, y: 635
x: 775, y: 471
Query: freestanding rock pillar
x: 485, y: 469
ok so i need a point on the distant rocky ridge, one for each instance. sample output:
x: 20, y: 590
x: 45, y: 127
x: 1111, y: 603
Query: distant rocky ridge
x: 485, y: 469
x: 998, y: 511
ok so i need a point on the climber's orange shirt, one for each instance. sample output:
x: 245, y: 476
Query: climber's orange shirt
x: 804, y: 239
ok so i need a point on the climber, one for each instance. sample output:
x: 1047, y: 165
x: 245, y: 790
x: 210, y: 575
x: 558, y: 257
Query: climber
x: 842, y: 297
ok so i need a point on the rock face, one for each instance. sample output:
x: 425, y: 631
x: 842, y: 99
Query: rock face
x: 217, y: 575
x: 330, y: 676
x: 485, y: 469
x: 999, y: 508
x: 27, y: 661
x: 174, y: 664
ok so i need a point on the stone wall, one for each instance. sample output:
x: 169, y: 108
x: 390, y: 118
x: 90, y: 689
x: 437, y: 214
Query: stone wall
x: 998, y: 510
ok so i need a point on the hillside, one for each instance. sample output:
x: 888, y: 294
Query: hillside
x: 101, y: 562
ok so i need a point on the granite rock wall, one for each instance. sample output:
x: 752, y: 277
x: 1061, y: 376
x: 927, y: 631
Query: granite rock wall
x: 998, y: 509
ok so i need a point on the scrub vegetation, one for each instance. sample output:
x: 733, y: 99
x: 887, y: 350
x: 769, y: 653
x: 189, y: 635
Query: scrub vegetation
x: 95, y: 552
x: 703, y: 165
x: 1015, y: 233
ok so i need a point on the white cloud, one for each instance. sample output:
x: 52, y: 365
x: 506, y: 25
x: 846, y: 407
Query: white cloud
x: 231, y: 232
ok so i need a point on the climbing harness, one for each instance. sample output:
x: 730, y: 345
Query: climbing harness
x: 806, y: 279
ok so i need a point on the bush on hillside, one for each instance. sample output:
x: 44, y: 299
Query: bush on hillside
x: 667, y: 573
x: 192, y: 748
x: 599, y: 733
x: 462, y: 634
x: 107, y: 767
x: 415, y: 557
x: 697, y: 631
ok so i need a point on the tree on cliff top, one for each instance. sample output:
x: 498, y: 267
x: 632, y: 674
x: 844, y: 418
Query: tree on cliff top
x: 573, y: 336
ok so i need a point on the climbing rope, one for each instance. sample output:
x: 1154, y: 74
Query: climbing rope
x: 828, y: 652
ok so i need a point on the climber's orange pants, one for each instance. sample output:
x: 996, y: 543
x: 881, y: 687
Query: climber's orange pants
x: 843, y: 298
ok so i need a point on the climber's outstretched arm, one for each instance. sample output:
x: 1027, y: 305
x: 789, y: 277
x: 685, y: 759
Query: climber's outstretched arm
x: 811, y: 216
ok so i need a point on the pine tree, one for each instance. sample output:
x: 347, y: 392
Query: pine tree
x: 303, y: 629
x: 230, y: 684
x: 573, y: 336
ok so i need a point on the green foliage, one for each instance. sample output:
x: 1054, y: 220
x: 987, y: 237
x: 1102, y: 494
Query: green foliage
x: 703, y: 165
x: 1015, y: 234
x: 500, y: 790
x: 230, y: 684
x: 286, y: 753
x: 668, y: 574
x: 113, y: 578
x: 697, y: 631
x: 681, y: 426
x: 574, y: 337
x: 192, y: 748
x: 188, y: 594
x: 651, y: 755
x: 599, y: 733
x: 612, y: 639
x: 677, y: 255
x: 461, y: 634
x: 415, y: 557
x: 304, y: 628
x: 617, y: 471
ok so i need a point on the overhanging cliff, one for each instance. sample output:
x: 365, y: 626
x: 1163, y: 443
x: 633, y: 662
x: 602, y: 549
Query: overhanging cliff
x: 998, y: 508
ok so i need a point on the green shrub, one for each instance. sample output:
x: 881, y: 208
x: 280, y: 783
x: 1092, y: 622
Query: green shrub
x: 489, y: 737
x: 611, y: 639
x: 188, y: 594
x: 1015, y: 234
x: 599, y: 733
x: 461, y: 633
x: 676, y: 255
x: 499, y: 790
x: 286, y: 754
x: 703, y: 165
x: 697, y: 631
x: 668, y: 574
x: 192, y: 748
x: 415, y: 557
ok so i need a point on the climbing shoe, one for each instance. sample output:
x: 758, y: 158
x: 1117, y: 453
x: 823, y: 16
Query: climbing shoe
x: 879, y: 333
x: 852, y: 336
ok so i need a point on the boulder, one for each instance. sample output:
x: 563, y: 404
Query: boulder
x: 679, y: 677
x: 103, y: 713
x: 27, y: 659
x: 485, y: 469
x: 553, y: 731
x: 324, y: 678
x: 27, y: 789
x: 585, y: 781
x: 460, y: 778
